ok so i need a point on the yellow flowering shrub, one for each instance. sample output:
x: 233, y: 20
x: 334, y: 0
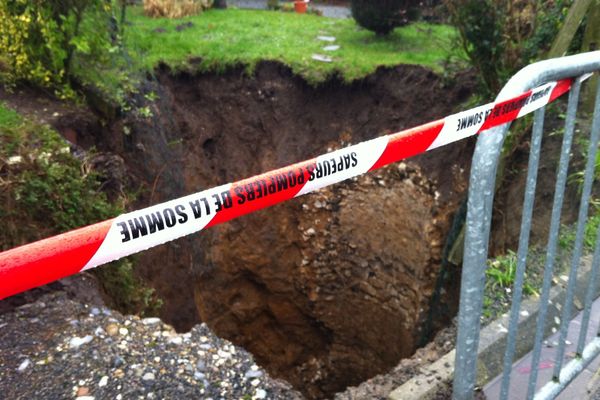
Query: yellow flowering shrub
x: 39, y: 40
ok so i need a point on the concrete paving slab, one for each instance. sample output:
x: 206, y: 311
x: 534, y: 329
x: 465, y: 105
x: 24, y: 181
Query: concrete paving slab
x: 521, y: 370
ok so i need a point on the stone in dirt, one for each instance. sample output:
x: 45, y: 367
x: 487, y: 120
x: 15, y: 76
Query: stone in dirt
x: 23, y: 366
x: 148, y: 376
x: 78, y: 341
x: 112, y: 329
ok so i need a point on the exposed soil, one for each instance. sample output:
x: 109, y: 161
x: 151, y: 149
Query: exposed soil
x: 326, y: 290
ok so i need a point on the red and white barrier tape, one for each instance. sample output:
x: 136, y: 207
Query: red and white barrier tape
x: 54, y: 258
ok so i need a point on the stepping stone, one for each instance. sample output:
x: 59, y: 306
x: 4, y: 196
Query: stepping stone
x: 326, y: 38
x: 319, y: 57
x: 333, y: 47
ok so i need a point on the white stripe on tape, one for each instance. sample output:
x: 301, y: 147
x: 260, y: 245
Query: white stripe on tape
x: 345, y: 163
x: 461, y: 125
x: 539, y: 97
x: 151, y: 226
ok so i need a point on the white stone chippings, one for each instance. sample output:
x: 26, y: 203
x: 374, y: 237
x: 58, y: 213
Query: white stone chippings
x: 103, y: 381
x: 23, y: 366
x: 148, y: 376
x: 253, y: 374
x: 223, y: 354
x: 75, y: 342
x: 177, y: 340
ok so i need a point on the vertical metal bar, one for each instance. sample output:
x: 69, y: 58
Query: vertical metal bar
x: 559, y: 192
x: 589, y: 295
x: 481, y: 196
x: 588, y: 180
x: 532, y: 170
x: 583, y: 212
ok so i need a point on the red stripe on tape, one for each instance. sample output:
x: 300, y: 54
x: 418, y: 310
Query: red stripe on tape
x: 264, y: 190
x: 505, y: 111
x: 409, y: 143
x: 561, y: 88
x: 48, y: 260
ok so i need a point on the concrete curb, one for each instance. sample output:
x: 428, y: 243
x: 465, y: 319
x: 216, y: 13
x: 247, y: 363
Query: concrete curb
x: 492, y: 342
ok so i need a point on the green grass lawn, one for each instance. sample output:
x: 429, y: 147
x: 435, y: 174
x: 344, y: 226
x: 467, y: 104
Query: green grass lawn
x: 222, y: 38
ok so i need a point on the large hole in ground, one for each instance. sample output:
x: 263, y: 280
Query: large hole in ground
x: 326, y: 290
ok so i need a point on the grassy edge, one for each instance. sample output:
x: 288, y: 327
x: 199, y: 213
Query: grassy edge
x: 217, y: 40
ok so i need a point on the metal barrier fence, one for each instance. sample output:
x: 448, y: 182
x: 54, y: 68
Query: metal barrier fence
x: 477, y: 233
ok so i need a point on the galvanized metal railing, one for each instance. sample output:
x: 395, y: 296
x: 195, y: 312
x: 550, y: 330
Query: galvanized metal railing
x: 477, y: 233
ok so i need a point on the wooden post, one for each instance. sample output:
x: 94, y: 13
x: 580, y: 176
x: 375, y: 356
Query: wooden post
x: 591, y: 42
x: 570, y: 26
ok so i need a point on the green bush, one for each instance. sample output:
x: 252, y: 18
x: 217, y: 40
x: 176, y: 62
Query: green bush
x: 501, y: 36
x: 45, y: 190
x: 382, y: 16
x: 40, y: 40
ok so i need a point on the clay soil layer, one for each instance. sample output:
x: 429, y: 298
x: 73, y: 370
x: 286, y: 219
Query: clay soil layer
x: 326, y: 290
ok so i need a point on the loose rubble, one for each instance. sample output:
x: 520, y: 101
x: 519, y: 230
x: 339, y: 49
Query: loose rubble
x: 58, y: 348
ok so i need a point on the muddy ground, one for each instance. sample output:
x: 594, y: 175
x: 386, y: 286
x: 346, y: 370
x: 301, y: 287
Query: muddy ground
x: 326, y: 290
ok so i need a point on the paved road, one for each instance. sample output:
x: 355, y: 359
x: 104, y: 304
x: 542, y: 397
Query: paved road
x: 328, y: 11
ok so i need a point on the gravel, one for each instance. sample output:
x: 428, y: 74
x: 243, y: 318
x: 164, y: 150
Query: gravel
x: 69, y: 346
x: 57, y: 348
